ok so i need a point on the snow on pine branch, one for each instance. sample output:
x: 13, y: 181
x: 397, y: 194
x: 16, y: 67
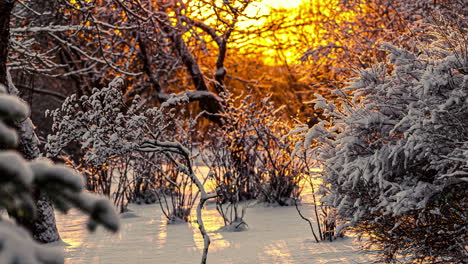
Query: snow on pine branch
x: 18, y: 247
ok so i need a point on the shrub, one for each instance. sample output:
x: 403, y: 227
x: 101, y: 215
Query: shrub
x: 250, y: 157
x: 394, y: 153
x: 112, y: 135
x: 108, y: 129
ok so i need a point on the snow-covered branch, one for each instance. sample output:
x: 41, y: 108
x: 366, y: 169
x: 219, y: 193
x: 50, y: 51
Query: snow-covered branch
x: 108, y: 128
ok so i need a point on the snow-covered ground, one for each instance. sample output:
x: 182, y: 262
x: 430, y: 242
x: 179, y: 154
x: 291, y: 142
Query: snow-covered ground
x: 275, y: 235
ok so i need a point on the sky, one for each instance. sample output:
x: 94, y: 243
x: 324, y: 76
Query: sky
x: 263, y: 8
x: 282, y: 3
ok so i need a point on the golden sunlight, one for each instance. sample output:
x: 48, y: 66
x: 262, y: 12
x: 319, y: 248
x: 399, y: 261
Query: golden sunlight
x: 282, y: 3
x: 294, y: 26
x: 264, y: 8
x: 212, y: 222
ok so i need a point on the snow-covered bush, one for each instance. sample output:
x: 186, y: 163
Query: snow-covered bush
x: 18, y: 179
x: 226, y: 180
x: 111, y: 135
x: 250, y: 157
x: 108, y: 132
x: 230, y: 158
x: 323, y: 214
x: 108, y: 129
x: 394, y: 155
x: 101, y: 122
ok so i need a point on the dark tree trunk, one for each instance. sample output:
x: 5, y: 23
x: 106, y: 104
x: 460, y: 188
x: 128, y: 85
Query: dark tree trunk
x: 206, y: 103
x: 212, y: 107
x: 220, y: 70
x: 189, y: 61
x: 5, y: 14
x: 43, y: 228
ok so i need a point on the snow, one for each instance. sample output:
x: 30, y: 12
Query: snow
x: 11, y: 107
x: 274, y: 235
x: 14, y: 169
x: 50, y: 28
x: 45, y: 172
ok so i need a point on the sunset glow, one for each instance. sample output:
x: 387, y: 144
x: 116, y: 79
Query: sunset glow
x: 296, y: 26
x: 264, y: 8
x: 282, y: 3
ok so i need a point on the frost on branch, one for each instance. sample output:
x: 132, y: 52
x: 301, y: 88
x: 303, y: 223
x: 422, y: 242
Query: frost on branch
x: 101, y: 122
x: 19, y: 177
x: 395, y: 155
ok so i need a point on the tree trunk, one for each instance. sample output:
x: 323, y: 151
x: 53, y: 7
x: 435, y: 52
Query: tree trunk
x: 43, y: 228
x: 5, y: 12
x: 212, y: 107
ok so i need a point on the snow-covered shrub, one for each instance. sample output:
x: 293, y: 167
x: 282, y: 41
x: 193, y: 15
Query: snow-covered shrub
x: 185, y: 131
x: 108, y: 132
x: 104, y: 125
x: 146, y: 184
x: 394, y: 155
x: 18, y: 179
x: 111, y: 134
x: 230, y: 158
x: 278, y: 175
x: 162, y: 178
x: 251, y: 158
x: 108, y: 129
